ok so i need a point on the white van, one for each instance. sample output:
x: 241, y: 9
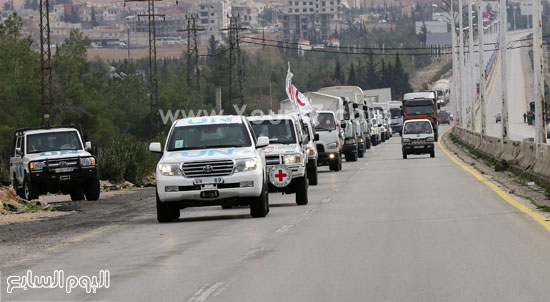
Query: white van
x: 418, y: 138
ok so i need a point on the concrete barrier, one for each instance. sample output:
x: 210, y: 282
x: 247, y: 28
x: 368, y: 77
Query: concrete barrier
x: 511, y: 152
x: 527, y: 155
x: 542, y: 165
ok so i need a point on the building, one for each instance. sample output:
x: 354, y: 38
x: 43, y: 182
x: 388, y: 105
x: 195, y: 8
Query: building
x: 314, y: 20
x: 213, y: 18
x: 432, y: 26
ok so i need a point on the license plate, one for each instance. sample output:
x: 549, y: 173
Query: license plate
x: 64, y: 177
x: 208, y: 180
x: 63, y: 170
x: 210, y: 194
x: 418, y: 147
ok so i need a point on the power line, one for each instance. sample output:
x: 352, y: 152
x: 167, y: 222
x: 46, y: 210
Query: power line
x: 193, y: 50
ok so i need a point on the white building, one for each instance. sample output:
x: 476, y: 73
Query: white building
x: 315, y: 20
x: 432, y: 26
x: 213, y: 18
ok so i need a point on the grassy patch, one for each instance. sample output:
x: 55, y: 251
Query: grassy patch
x: 444, y: 69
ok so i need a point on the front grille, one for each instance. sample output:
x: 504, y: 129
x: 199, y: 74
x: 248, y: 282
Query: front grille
x: 272, y: 160
x: 63, y: 163
x: 208, y: 168
x: 320, y: 148
x: 417, y: 141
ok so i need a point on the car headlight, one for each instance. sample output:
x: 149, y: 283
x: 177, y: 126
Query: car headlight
x: 39, y: 165
x: 311, y: 151
x: 350, y: 141
x: 332, y: 146
x: 361, y: 140
x: 87, y: 161
x: 169, y: 169
x: 430, y: 139
x: 245, y: 165
x: 406, y: 140
x: 292, y: 159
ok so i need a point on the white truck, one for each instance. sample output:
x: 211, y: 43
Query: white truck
x: 418, y: 138
x: 207, y: 161
x: 52, y: 160
x: 396, y: 116
x: 286, y: 155
x: 329, y: 135
x: 354, y: 143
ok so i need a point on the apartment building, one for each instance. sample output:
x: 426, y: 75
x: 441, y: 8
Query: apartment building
x: 213, y: 18
x: 314, y: 20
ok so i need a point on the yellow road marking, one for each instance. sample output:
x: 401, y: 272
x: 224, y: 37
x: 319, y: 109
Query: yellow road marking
x: 509, y: 199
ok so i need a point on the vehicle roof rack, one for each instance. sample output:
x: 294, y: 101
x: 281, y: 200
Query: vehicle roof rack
x: 44, y: 128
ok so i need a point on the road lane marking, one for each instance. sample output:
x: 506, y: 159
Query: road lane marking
x: 207, y: 291
x: 253, y: 253
x: 326, y: 200
x: 284, y: 228
x: 541, y: 219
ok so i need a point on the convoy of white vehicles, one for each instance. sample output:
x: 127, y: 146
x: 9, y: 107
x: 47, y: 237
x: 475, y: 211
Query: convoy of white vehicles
x: 235, y: 160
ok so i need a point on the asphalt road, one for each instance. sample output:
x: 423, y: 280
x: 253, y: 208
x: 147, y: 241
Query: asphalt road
x: 383, y: 229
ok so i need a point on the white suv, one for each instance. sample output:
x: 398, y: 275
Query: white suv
x: 286, y: 156
x: 53, y: 160
x: 209, y: 161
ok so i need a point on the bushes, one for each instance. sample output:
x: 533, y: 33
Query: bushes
x: 126, y: 159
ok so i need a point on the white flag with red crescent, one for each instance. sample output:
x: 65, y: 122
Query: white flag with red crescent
x: 300, y: 102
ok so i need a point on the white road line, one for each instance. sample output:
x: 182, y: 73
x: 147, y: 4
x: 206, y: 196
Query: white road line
x: 326, y: 200
x: 253, y: 252
x: 309, y: 212
x: 284, y: 228
x: 207, y: 291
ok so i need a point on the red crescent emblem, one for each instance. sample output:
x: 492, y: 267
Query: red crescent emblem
x: 298, y: 99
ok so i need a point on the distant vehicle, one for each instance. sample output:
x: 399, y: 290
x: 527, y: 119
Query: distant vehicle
x: 52, y: 160
x: 444, y: 117
x: 498, y: 117
x: 421, y: 105
x: 330, y: 127
x: 209, y: 161
x: 418, y: 138
x: 396, y: 117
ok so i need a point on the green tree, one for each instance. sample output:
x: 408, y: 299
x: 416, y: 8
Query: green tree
x: 352, y: 78
x: 338, y: 74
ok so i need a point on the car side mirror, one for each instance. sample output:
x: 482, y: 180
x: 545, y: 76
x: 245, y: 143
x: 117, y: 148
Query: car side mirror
x: 438, y: 106
x: 88, y: 146
x: 357, y: 115
x: 18, y: 151
x: 355, y: 106
x: 155, y: 148
x: 305, y: 138
x: 343, y: 125
x: 263, y: 141
x: 316, y: 137
x: 379, y: 125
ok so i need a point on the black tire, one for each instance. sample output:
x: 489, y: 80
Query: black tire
x: 383, y: 137
x: 301, y: 191
x: 361, y: 153
x: 19, y: 191
x: 167, y: 211
x: 77, y: 193
x: 30, y: 190
x: 92, y: 189
x: 339, y: 163
x: 336, y: 165
x: 404, y: 155
x: 351, y: 156
x: 368, y: 143
x: 432, y: 154
x: 313, y: 175
x: 259, y: 206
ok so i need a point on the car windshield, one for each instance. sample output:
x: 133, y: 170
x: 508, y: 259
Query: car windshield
x: 53, y: 141
x: 395, y: 112
x: 278, y: 131
x: 420, y: 127
x: 420, y: 109
x: 443, y: 114
x: 326, y: 122
x: 209, y: 136
x: 439, y: 93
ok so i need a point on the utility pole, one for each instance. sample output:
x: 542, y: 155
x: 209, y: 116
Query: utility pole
x: 481, y: 34
x: 129, y: 57
x: 45, y: 63
x: 235, y: 64
x: 193, y: 51
x: 456, y: 67
x: 471, y: 76
x: 153, y: 76
x: 503, y: 43
x: 461, y: 59
x: 538, y: 61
